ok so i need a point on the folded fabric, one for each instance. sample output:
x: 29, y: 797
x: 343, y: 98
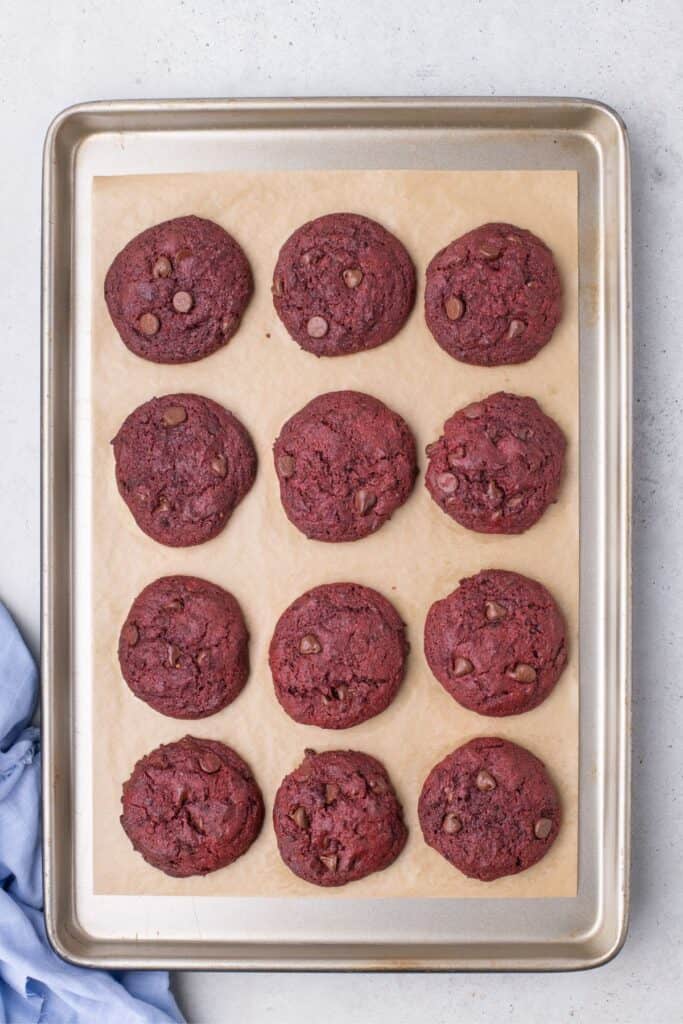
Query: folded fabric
x: 35, y: 985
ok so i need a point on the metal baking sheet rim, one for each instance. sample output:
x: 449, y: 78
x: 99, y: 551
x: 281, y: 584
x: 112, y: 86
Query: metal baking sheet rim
x: 564, y: 122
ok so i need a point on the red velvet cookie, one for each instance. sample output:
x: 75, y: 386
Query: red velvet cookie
x: 493, y: 296
x: 337, y: 818
x: 345, y: 463
x: 183, y: 463
x: 338, y: 655
x: 178, y: 290
x: 498, y: 464
x: 191, y: 807
x: 497, y: 643
x: 490, y: 809
x: 343, y: 284
x: 184, y: 647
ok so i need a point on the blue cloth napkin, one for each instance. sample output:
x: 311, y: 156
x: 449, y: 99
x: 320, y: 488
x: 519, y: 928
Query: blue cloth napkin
x: 36, y: 987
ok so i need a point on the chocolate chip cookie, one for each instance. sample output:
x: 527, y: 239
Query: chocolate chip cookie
x: 184, y: 647
x: 498, y: 464
x: 191, y: 807
x: 343, y: 284
x: 493, y: 296
x: 490, y: 809
x: 183, y: 463
x: 497, y: 643
x: 345, y: 463
x: 337, y: 818
x: 338, y: 655
x: 178, y: 290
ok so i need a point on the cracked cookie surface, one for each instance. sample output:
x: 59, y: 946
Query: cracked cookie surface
x: 183, y: 648
x: 345, y: 463
x: 343, y: 284
x: 498, y: 464
x: 497, y: 643
x: 493, y: 296
x: 191, y: 807
x: 337, y: 655
x: 337, y: 818
x: 490, y: 809
x: 178, y: 290
x: 183, y: 463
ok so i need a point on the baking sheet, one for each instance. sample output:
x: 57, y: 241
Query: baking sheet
x: 420, y: 555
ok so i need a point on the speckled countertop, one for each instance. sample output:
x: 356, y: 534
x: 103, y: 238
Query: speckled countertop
x: 625, y: 53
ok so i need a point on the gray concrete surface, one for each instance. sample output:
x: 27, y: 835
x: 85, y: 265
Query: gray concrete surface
x: 629, y: 54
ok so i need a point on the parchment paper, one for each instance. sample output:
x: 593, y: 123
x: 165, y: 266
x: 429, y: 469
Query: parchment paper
x: 419, y: 556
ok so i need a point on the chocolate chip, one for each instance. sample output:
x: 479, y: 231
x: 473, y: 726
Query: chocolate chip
x: 149, y: 324
x: 456, y: 455
x: 331, y: 792
x: 218, y: 465
x: 330, y: 861
x: 364, y: 501
x: 454, y: 307
x: 473, y: 411
x: 276, y: 287
x: 515, y: 501
x: 309, y: 644
x: 447, y: 482
x: 353, y: 277
x: 522, y: 673
x: 173, y: 654
x: 173, y: 415
x: 340, y: 692
x: 227, y: 324
x: 379, y: 785
x: 490, y: 249
x: 182, y: 302
x: 131, y: 634
x: 451, y: 824
x: 494, y: 492
x: 202, y: 656
x: 196, y: 819
x: 317, y: 327
x: 175, y: 605
x: 485, y: 781
x: 515, y: 329
x: 162, y: 267
x: 209, y: 762
x: 164, y: 504
x: 286, y: 466
x: 183, y: 255
x: 462, y: 667
x: 495, y: 611
x: 300, y: 818
x: 543, y: 828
